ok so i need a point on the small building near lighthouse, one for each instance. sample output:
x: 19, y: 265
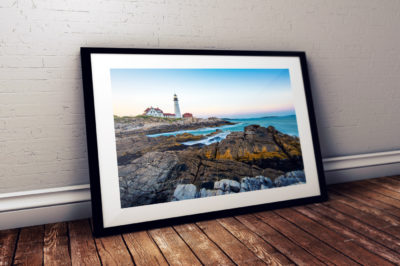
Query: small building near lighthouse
x: 151, y: 111
x: 187, y: 115
x: 169, y: 115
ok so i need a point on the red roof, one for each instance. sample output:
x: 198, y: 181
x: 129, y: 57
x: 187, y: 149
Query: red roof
x: 187, y: 115
x: 169, y: 114
x: 149, y: 108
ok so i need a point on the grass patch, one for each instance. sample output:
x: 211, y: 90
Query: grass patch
x: 125, y: 119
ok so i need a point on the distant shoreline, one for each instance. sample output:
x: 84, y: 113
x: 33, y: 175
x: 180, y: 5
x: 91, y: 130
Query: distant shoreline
x: 261, y: 117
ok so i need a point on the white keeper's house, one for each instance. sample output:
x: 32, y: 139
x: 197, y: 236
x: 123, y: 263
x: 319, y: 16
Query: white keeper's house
x: 156, y: 112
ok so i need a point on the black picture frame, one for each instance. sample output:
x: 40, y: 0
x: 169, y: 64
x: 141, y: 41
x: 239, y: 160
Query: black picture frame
x: 99, y: 229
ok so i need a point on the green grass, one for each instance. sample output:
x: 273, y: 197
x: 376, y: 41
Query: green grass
x: 122, y: 118
x: 145, y: 117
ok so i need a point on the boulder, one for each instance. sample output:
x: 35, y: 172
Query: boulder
x: 184, y: 191
x: 200, y: 171
x: 255, y: 183
x: 207, y: 193
x: 148, y: 179
x: 227, y: 185
x: 259, y: 146
x: 290, y: 178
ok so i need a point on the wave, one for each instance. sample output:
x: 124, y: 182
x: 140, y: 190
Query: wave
x: 207, y: 141
x: 200, y: 131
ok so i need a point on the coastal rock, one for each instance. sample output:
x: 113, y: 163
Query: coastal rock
x: 198, y: 170
x: 227, y: 186
x: 133, y: 146
x: 184, y: 191
x: 291, y: 178
x: 248, y: 152
x: 207, y: 193
x: 148, y: 179
x: 255, y: 183
x: 151, y: 169
x: 260, y: 146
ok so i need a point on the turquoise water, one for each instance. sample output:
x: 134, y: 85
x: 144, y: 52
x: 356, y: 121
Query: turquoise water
x: 284, y: 124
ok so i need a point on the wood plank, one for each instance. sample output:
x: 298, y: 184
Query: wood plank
x: 143, y: 249
x: 379, y: 189
x: 312, y: 244
x: 83, y: 248
x: 260, y: 247
x: 379, y: 236
x: 8, y: 243
x: 30, y: 246
x: 294, y: 252
x: 375, y: 221
x: 112, y: 251
x: 333, y: 239
x: 351, y: 235
x: 393, y: 220
x: 55, y: 250
x: 394, y: 178
x: 367, y: 201
x: 387, y: 183
x: 172, y: 246
x: 238, y: 252
x: 367, y: 193
x: 207, y: 252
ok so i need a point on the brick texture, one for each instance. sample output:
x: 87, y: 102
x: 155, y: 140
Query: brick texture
x: 353, y: 49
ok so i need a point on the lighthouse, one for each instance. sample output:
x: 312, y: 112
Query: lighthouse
x: 176, y: 107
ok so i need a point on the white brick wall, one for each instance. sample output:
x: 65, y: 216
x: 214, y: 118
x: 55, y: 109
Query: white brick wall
x: 353, y: 49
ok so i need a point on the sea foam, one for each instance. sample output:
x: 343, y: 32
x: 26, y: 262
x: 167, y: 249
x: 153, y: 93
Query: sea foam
x: 209, y: 140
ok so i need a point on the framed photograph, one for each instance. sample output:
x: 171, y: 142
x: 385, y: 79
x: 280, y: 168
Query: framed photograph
x: 183, y: 135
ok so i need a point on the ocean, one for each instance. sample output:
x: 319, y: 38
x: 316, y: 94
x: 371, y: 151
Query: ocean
x: 284, y: 124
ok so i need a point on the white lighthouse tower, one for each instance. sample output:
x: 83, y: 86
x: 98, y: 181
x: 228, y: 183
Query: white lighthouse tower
x: 176, y: 107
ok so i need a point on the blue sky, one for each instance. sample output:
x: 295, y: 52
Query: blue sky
x: 233, y: 93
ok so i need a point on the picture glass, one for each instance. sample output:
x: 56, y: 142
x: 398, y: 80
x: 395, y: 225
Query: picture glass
x: 184, y: 134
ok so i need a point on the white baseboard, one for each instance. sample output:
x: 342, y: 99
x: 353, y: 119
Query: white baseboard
x: 363, y: 166
x: 361, y: 160
x: 45, y: 215
x: 44, y: 197
x: 34, y: 207
x: 27, y: 208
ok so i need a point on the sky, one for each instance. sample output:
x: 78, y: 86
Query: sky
x: 228, y: 93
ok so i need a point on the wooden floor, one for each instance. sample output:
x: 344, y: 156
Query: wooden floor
x: 360, y: 224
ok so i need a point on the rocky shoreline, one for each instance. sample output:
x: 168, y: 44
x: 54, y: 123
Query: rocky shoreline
x: 155, y: 125
x: 152, y: 169
x: 246, y: 184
